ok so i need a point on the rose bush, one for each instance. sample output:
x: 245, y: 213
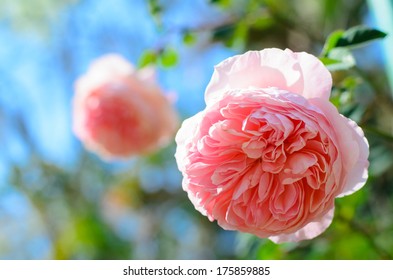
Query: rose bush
x: 269, y: 154
x: 119, y: 112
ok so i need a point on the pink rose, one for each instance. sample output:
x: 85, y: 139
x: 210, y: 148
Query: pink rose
x: 270, y: 153
x: 119, y: 111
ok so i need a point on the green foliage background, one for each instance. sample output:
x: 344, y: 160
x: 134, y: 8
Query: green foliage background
x: 81, y: 210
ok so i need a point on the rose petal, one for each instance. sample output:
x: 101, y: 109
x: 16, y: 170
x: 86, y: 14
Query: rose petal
x: 298, y: 73
x: 317, y: 78
x: 186, y: 132
x: 357, y: 177
x: 310, y: 231
x: 352, y: 145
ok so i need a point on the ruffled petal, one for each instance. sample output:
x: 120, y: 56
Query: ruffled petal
x: 185, y: 135
x: 358, y: 176
x: 298, y: 73
x: 310, y: 231
x: 353, y: 147
x: 317, y: 78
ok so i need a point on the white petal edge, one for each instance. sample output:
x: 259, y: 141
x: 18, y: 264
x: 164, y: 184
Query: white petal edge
x: 317, y: 78
x: 310, y: 231
x: 185, y: 135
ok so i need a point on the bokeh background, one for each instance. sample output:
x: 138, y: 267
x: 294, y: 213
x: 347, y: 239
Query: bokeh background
x: 58, y: 201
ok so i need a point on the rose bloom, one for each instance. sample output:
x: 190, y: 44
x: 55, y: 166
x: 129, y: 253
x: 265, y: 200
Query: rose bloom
x: 269, y: 154
x: 119, y: 112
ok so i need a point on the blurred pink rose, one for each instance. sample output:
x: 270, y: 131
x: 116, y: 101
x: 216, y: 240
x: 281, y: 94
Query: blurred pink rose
x: 119, y: 111
x: 270, y: 153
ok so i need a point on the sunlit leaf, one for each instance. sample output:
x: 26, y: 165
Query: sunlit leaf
x: 328, y: 61
x: 148, y: 57
x: 261, y: 23
x: 339, y: 59
x: 221, y: 3
x: 188, y: 38
x: 331, y: 42
x: 270, y: 251
x: 154, y: 7
x: 240, y: 35
x: 169, y: 57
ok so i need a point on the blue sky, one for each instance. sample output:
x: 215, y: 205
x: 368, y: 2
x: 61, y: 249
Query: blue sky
x: 41, y: 72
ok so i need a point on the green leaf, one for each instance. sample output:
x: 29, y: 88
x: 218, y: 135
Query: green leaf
x: 359, y: 35
x: 339, y: 59
x: 154, y: 7
x: 156, y: 11
x: 240, y: 35
x: 169, y: 57
x: 351, y: 38
x: 270, y: 251
x: 188, y: 38
x: 331, y: 42
x: 263, y: 22
x: 221, y: 3
x: 148, y: 57
x: 328, y: 61
x: 224, y: 34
